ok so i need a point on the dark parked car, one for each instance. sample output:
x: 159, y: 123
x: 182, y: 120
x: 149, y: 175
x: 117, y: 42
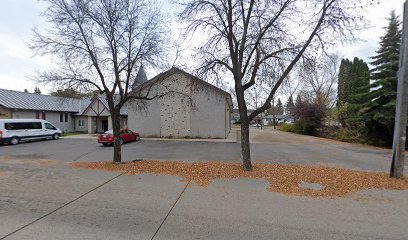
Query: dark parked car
x: 126, y: 135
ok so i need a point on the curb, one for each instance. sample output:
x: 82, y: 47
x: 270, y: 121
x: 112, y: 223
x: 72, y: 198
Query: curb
x: 161, y: 139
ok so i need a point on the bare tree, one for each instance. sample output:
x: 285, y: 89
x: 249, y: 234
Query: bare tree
x: 244, y: 35
x: 99, y: 45
x: 319, y: 77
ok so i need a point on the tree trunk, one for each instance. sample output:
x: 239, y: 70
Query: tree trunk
x: 243, y: 114
x: 245, y: 146
x: 117, y: 148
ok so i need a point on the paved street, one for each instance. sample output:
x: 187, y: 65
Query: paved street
x: 41, y: 197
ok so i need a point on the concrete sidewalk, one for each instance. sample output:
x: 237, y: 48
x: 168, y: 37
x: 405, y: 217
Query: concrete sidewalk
x: 42, y: 197
x: 59, y: 202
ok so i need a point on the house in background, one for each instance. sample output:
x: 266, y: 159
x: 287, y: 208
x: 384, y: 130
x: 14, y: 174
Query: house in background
x: 96, y: 116
x: 235, y: 115
x: 188, y: 107
x: 279, y: 119
x: 89, y: 115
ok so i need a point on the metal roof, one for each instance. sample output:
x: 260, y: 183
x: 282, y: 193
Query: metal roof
x: 31, y: 101
x: 174, y: 70
x: 38, y: 102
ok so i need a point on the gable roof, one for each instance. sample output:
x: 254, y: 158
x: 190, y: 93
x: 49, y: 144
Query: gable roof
x: 175, y: 70
x: 102, y: 99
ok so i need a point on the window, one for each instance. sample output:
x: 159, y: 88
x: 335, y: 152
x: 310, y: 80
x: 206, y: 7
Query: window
x: 49, y: 126
x: 23, y: 125
x: 36, y: 125
x: 66, y: 117
x: 61, y: 117
x: 81, y: 123
x: 40, y: 115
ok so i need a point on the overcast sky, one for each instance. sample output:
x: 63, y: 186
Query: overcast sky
x: 19, y: 17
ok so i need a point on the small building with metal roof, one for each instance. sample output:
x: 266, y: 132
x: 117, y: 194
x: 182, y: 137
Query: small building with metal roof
x: 69, y: 114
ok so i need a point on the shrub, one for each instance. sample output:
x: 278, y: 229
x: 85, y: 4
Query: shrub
x: 348, y: 135
x: 300, y: 127
x: 303, y: 127
x: 287, y: 127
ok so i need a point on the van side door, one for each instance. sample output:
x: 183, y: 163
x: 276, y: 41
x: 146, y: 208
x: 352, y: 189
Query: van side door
x: 49, y: 129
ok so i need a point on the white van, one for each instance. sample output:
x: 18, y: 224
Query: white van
x: 13, y: 131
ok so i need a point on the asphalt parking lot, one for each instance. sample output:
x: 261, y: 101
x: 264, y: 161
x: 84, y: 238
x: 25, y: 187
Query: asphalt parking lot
x: 283, y: 148
x: 41, y: 197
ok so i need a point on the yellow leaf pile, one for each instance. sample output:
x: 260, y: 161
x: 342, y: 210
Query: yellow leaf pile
x: 283, y: 178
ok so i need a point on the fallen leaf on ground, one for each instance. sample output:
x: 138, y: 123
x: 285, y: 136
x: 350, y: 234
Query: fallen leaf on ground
x: 283, y: 178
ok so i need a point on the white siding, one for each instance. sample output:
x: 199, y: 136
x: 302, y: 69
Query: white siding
x: 54, y: 118
x: 23, y: 114
x: 81, y: 128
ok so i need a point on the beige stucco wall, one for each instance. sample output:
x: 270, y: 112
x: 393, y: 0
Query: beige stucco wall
x: 199, y: 112
x: 175, y: 107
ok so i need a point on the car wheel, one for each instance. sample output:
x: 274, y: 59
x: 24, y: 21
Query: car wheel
x: 55, y: 136
x: 137, y: 138
x: 14, y: 141
x: 121, y: 141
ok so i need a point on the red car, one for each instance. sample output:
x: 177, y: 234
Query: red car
x: 126, y: 135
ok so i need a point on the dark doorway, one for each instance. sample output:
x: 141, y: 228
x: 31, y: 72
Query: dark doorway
x: 105, y: 125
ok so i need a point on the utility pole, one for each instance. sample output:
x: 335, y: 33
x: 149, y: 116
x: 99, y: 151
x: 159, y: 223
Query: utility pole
x: 273, y: 113
x: 398, y: 148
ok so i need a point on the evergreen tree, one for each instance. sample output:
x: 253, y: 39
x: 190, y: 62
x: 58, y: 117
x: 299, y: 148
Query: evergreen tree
x: 298, y: 101
x: 344, y: 75
x: 290, y: 106
x: 358, y: 91
x: 37, y: 90
x: 25, y: 90
x: 298, y: 107
x: 353, y: 86
x: 72, y: 93
x: 279, y: 107
x: 379, y: 112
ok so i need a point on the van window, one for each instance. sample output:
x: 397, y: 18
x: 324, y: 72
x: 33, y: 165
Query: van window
x: 37, y: 125
x: 49, y: 126
x: 22, y: 125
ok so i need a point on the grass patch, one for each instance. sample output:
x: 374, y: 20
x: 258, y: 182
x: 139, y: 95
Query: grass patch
x: 70, y: 134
